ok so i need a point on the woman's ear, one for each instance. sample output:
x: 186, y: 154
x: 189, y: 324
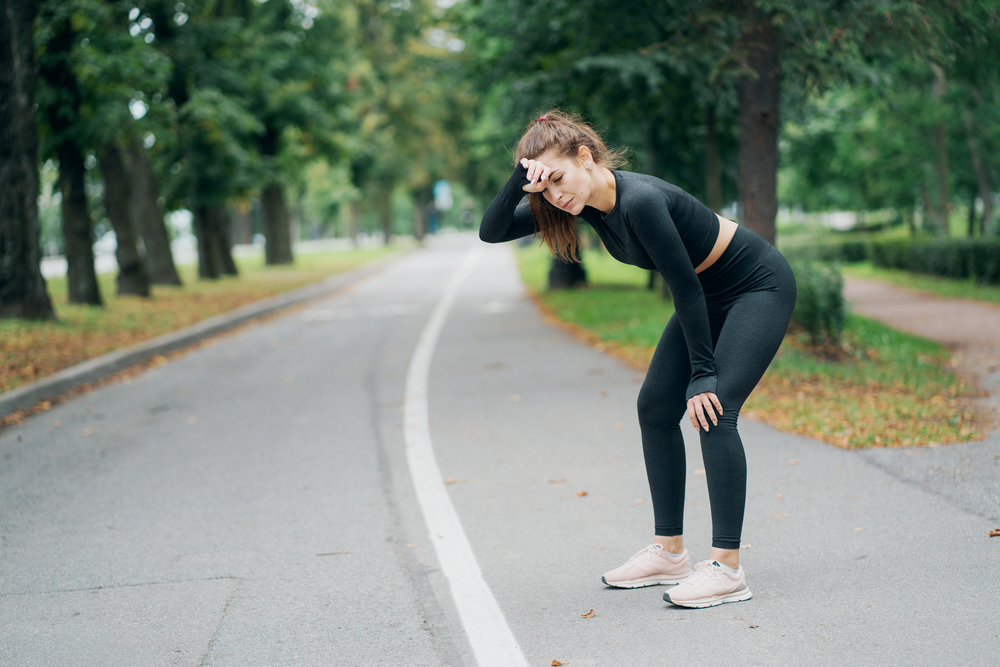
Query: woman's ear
x: 584, y: 155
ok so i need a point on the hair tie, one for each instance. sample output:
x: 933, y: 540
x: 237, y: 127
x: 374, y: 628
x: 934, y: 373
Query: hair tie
x: 541, y: 119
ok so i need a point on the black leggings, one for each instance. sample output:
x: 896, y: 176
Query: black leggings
x: 750, y: 295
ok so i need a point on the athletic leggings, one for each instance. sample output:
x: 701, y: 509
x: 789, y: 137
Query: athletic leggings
x: 750, y: 295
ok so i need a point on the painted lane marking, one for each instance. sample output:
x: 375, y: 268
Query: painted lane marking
x: 490, y: 636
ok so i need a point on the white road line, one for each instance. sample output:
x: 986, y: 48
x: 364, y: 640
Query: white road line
x: 491, y: 639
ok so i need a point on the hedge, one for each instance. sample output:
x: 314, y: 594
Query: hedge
x: 978, y: 259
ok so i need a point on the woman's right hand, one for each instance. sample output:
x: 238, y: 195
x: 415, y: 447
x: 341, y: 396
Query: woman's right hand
x: 538, y: 175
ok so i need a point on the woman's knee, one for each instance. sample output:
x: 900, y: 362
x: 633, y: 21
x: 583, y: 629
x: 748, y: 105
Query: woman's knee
x: 655, y: 411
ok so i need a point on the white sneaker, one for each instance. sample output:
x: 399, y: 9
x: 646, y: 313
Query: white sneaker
x: 650, y: 567
x: 709, y: 585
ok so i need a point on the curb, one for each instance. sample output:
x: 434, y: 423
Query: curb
x: 67, y: 379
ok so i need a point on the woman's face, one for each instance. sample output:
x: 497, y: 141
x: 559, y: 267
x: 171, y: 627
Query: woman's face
x: 570, y: 184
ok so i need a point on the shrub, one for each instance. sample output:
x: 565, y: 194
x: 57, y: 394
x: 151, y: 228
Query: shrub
x: 978, y: 259
x: 845, y: 252
x: 819, y: 308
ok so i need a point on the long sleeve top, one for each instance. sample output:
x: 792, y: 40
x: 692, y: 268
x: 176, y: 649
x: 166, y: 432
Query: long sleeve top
x: 654, y: 225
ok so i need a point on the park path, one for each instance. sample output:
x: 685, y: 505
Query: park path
x: 251, y: 503
x: 970, y: 328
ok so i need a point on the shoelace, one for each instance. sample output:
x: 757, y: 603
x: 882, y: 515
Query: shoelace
x: 703, y: 572
x: 647, y: 553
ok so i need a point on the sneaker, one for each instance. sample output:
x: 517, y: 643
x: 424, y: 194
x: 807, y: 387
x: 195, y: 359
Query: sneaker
x: 710, y: 585
x: 650, y: 567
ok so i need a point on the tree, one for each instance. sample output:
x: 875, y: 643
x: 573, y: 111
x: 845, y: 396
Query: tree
x: 769, y: 50
x: 23, y: 292
x: 62, y: 98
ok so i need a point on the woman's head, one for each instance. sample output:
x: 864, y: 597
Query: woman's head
x: 560, y: 138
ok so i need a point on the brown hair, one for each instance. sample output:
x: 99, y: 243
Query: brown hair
x: 563, y: 133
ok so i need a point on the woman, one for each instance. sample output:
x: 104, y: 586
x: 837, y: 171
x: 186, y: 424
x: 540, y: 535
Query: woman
x: 733, y: 298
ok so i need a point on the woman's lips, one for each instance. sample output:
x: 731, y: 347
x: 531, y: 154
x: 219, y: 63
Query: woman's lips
x: 567, y: 204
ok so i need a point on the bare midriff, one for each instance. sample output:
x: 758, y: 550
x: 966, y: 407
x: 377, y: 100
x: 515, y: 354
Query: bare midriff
x: 727, y: 228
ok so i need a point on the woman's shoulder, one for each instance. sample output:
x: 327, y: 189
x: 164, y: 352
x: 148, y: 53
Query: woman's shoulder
x: 637, y: 189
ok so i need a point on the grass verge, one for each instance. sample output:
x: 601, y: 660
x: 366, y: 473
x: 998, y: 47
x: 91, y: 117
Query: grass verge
x: 32, y: 350
x: 949, y: 287
x: 880, y: 388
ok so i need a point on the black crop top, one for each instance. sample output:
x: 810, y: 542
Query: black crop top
x: 654, y: 225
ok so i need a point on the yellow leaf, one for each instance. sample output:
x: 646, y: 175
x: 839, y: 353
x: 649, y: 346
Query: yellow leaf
x: 581, y: 494
x: 589, y: 614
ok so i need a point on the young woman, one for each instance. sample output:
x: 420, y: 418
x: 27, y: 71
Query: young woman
x: 733, y: 297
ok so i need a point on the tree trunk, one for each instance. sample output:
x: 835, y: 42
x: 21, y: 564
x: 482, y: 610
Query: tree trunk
x: 713, y: 172
x: 277, y: 229
x: 81, y: 278
x: 423, y: 200
x: 208, y: 266
x: 982, y: 175
x: 148, y: 217
x: 355, y: 221
x: 222, y: 247
x: 928, y: 218
x: 972, y: 214
x: 23, y: 292
x: 941, y: 163
x: 132, y: 275
x: 566, y: 275
x: 385, y: 214
x: 757, y: 96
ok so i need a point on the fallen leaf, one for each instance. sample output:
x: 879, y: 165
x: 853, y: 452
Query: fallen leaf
x: 556, y: 663
x: 699, y: 472
x: 793, y: 462
x: 556, y: 481
x: 995, y: 532
x: 780, y: 495
x: 858, y: 530
x: 159, y: 360
x: 754, y: 626
x: 192, y: 420
x: 639, y: 501
x: 589, y: 614
x: 289, y: 379
x: 453, y: 480
x: 412, y: 546
x: 619, y: 425
x: 57, y: 422
x: 580, y: 494
x: 43, y: 406
x: 89, y: 431
x: 745, y: 546
x: 515, y: 397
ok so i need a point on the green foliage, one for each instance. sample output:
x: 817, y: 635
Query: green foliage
x: 978, y: 259
x: 819, y: 308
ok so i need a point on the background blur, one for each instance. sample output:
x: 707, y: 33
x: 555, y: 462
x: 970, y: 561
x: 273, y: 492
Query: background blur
x: 210, y: 123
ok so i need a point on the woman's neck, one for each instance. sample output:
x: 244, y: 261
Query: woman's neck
x: 605, y: 191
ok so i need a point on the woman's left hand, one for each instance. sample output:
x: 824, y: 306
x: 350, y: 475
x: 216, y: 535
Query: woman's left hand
x: 704, y: 405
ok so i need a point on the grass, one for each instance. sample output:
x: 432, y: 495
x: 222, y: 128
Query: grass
x: 949, y: 287
x: 881, y: 387
x: 32, y: 350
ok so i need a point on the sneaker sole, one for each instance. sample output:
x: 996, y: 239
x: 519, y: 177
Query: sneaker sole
x: 713, y: 601
x: 665, y: 580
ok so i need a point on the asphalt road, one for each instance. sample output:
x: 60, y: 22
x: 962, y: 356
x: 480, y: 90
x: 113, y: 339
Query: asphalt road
x: 251, y: 503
